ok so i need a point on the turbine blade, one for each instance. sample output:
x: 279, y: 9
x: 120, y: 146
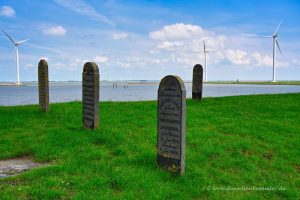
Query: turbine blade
x: 278, y: 47
x: 256, y: 36
x: 22, y: 41
x: 278, y: 27
x: 8, y: 36
x: 204, y: 45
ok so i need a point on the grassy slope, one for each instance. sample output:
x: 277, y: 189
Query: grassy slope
x: 231, y: 141
x: 258, y: 82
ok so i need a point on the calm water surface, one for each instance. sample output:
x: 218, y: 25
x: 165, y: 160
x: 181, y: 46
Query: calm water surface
x: 71, y: 91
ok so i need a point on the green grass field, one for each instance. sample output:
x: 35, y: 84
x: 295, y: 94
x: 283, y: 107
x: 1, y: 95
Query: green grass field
x: 257, y: 82
x: 241, y: 141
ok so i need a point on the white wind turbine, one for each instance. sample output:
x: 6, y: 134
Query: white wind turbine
x: 17, y: 44
x: 205, y: 60
x: 275, y: 43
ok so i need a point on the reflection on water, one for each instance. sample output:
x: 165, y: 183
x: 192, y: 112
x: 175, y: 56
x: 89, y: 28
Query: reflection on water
x: 71, y: 91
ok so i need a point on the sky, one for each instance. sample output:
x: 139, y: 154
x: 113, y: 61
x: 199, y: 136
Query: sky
x: 147, y: 40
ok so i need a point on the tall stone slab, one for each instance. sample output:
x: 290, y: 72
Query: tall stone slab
x: 197, y: 82
x: 171, y: 124
x: 90, y: 95
x: 43, y: 85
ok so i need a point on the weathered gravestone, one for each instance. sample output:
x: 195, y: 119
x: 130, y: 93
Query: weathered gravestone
x: 171, y: 124
x: 43, y: 85
x: 90, y: 95
x: 197, y: 82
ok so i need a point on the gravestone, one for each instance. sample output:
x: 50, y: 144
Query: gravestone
x: 171, y: 125
x: 90, y: 95
x: 43, y: 85
x: 197, y: 82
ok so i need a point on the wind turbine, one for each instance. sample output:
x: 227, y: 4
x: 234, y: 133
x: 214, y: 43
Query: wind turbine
x: 275, y: 43
x: 205, y: 60
x: 17, y: 44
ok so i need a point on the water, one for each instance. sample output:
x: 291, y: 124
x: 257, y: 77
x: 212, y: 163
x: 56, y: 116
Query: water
x: 12, y: 167
x: 71, y: 91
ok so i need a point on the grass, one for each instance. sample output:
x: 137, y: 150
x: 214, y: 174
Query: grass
x: 258, y: 82
x: 240, y: 141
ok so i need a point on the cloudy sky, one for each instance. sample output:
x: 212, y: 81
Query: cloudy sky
x: 146, y: 40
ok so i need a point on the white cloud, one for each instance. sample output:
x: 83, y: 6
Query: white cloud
x: 182, y: 44
x: 55, y: 31
x: 262, y: 60
x: 296, y: 61
x: 153, y: 51
x: 76, y: 63
x: 215, y: 41
x: 157, y: 61
x: 177, y: 31
x: 29, y: 65
x: 7, y: 11
x: 123, y: 65
x: 59, y: 65
x: 54, y: 50
x: 85, y: 9
x: 237, y: 57
x: 44, y: 58
x: 100, y: 59
x: 186, y: 38
x: 119, y: 36
x: 170, y: 45
x: 266, y: 61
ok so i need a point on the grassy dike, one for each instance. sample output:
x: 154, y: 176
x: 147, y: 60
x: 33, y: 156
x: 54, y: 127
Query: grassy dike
x: 240, y: 141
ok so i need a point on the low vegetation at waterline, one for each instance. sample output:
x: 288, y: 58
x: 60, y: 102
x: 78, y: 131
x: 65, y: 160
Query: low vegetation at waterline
x: 237, y: 147
x: 257, y: 82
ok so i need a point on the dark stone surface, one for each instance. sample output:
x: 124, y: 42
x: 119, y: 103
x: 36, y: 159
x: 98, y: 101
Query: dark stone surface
x: 197, y: 87
x: 43, y: 85
x: 90, y: 95
x: 171, y: 124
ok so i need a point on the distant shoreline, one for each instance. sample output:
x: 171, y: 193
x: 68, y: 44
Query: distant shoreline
x: 12, y: 84
x: 142, y: 82
x: 256, y: 82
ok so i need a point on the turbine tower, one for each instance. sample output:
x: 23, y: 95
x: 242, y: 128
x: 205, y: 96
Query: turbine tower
x: 275, y: 43
x: 17, y: 44
x: 205, y: 60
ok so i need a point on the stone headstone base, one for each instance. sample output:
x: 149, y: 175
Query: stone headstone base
x: 197, y: 96
x: 169, y: 164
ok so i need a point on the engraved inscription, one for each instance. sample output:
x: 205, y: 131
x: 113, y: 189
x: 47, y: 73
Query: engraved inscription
x: 171, y: 124
x: 90, y: 95
x: 169, y: 119
x: 43, y: 85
